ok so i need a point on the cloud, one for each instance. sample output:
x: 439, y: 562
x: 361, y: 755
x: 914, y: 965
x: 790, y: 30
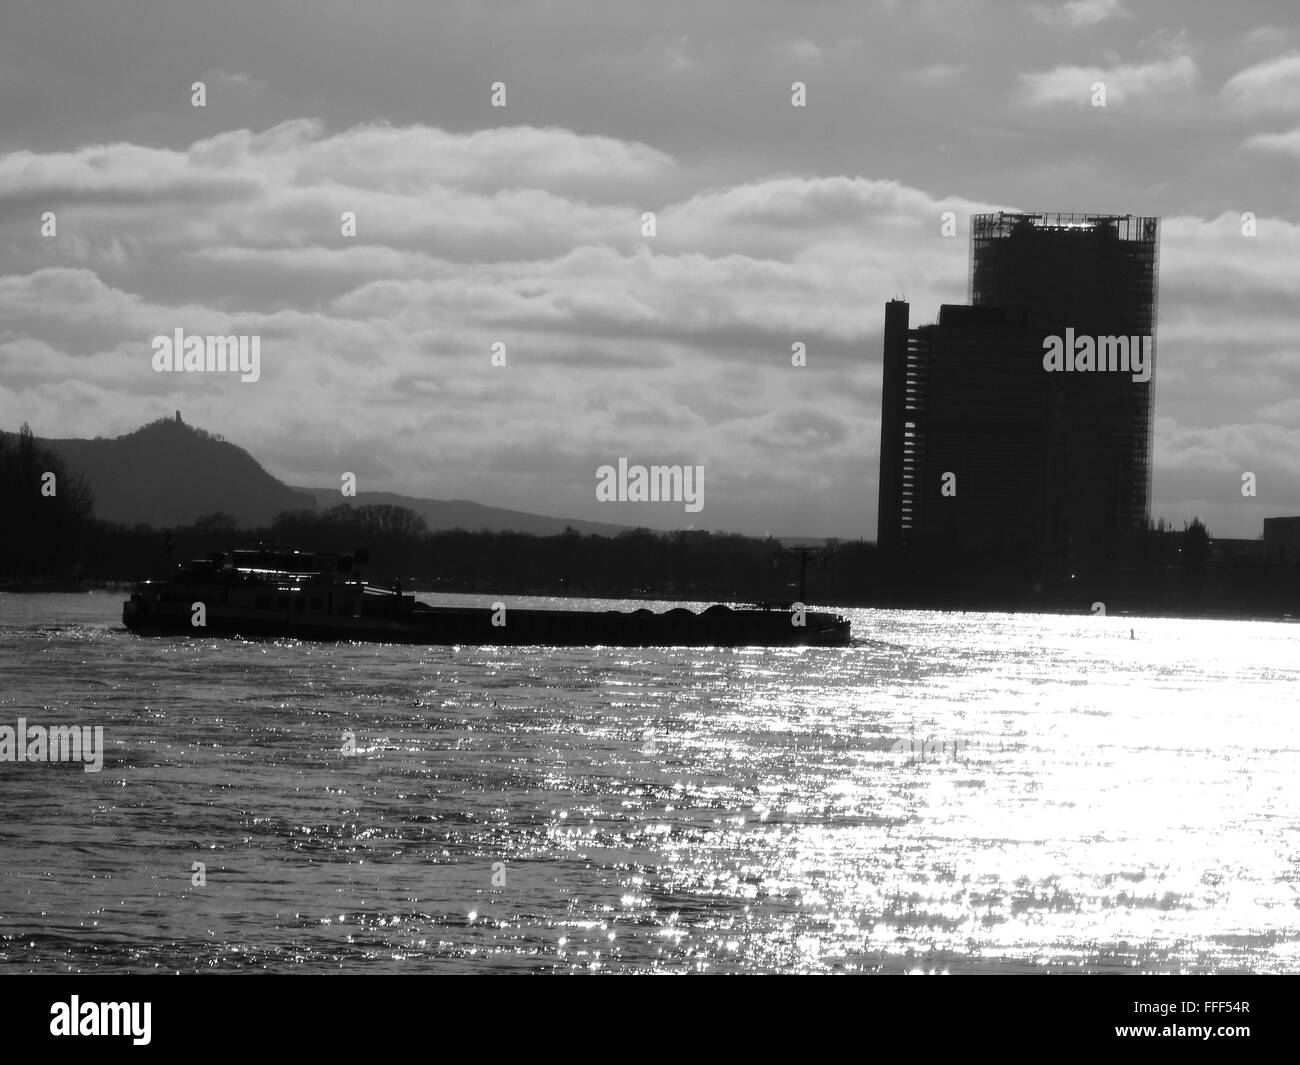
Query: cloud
x: 232, y: 80
x: 1078, y: 13
x: 1073, y: 84
x: 1268, y: 87
x: 672, y: 347
x: 465, y: 240
x: 799, y: 51
x: 1283, y: 143
x: 1265, y: 37
x: 403, y: 161
x: 935, y: 75
x: 117, y: 174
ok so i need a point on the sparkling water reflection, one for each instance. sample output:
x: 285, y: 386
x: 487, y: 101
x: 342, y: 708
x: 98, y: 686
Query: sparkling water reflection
x: 953, y: 793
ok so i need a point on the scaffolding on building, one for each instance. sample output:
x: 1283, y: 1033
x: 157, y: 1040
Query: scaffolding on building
x: 1098, y: 274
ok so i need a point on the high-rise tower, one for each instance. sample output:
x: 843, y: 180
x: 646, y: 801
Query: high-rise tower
x: 1050, y: 471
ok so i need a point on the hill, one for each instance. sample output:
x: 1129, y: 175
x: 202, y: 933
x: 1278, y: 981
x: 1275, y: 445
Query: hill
x: 168, y: 473
x: 441, y: 514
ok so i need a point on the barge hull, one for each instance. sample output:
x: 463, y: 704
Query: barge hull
x: 716, y: 627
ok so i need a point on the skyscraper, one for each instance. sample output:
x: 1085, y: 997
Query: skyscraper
x: 995, y: 461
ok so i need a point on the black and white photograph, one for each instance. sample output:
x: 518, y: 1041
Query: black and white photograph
x: 530, y: 487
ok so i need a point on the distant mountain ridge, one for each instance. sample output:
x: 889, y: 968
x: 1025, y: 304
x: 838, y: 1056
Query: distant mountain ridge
x: 168, y: 473
x: 443, y: 514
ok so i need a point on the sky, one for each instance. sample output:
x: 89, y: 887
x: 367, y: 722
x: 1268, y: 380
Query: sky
x: 522, y: 225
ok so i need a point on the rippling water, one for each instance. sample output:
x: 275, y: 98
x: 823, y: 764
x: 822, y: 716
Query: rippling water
x: 1100, y: 802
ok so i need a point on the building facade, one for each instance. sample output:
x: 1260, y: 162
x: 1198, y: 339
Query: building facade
x: 996, y: 462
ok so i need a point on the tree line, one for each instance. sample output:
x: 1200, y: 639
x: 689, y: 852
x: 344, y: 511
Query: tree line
x: 48, y: 533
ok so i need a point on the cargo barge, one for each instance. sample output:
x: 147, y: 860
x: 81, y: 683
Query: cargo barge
x: 307, y: 596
